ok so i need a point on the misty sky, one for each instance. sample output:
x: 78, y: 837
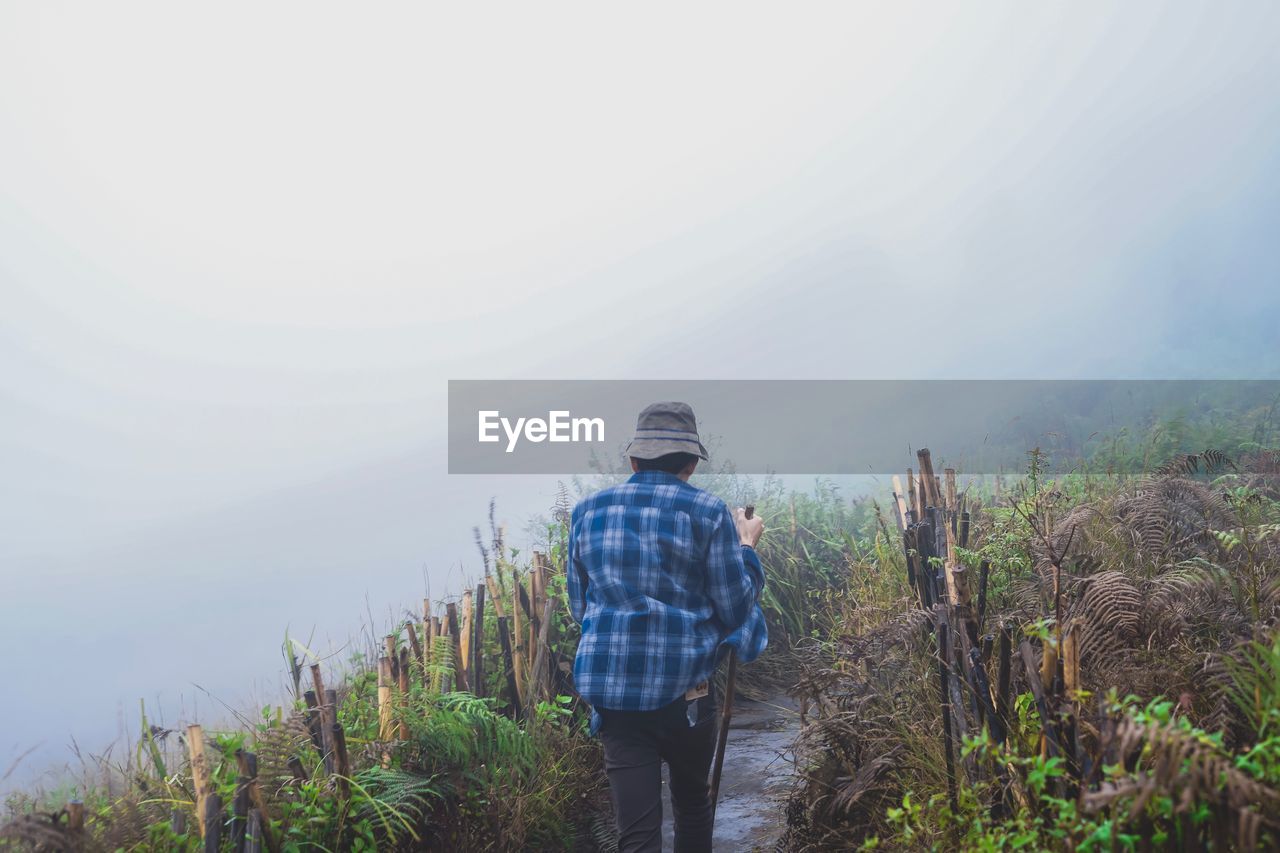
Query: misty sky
x: 243, y: 247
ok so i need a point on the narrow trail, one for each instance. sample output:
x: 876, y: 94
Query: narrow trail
x: 757, y: 776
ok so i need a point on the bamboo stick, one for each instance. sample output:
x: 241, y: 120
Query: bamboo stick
x: 211, y: 822
x: 899, y: 505
x: 460, y: 673
x: 389, y: 646
x: 981, y: 687
x: 1048, y: 739
x: 414, y: 644
x: 949, y: 477
x: 75, y: 817
x: 984, y: 572
x: 494, y: 596
x: 384, y: 698
x: 313, y: 721
x: 248, y: 764
x: 928, y: 482
x: 326, y: 717
x: 1071, y: 661
x: 240, y: 804
x: 477, y: 645
x: 532, y: 647
x: 540, y: 679
x: 1003, y: 675
x: 945, y: 692
x: 508, y: 660
x: 253, y: 837
x: 516, y: 634
x: 913, y: 498
x: 200, y: 777
x: 403, y: 698
x: 465, y: 628
x: 344, y: 760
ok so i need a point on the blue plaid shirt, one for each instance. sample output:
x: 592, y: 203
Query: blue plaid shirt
x: 661, y: 584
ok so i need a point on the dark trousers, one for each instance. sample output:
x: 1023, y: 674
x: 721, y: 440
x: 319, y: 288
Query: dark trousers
x: 635, y: 745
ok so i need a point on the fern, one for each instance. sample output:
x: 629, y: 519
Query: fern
x: 1255, y: 684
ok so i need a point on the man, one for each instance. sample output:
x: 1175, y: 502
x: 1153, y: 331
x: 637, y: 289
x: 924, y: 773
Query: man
x: 664, y: 581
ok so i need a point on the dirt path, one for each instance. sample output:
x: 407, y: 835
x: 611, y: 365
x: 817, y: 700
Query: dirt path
x: 757, y: 776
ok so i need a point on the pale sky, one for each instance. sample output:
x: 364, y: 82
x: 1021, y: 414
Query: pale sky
x: 243, y: 247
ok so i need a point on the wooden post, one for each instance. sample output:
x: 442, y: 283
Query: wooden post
x: 477, y: 645
x: 508, y: 660
x: 200, y: 774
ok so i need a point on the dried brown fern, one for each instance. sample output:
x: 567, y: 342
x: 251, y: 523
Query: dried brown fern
x: 1173, y: 518
x: 1109, y: 611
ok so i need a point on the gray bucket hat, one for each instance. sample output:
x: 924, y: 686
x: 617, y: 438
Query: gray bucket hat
x: 664, y: 428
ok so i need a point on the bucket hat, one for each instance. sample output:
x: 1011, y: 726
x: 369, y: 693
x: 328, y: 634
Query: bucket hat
x: 664, y: 428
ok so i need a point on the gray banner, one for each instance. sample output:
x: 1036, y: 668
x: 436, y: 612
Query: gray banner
x: 860, y: 426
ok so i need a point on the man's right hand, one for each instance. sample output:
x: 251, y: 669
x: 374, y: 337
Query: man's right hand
x: 749, y: 529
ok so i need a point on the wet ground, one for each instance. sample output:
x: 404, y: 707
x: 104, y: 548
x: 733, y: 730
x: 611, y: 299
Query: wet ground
x: 757, y: 776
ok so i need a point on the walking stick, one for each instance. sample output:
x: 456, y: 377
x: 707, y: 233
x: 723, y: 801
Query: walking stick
x: 726, y: 714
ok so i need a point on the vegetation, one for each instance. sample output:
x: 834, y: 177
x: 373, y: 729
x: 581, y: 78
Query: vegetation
x: 429, y: 767
x: 1137, y: 707
x: 1145, y: 709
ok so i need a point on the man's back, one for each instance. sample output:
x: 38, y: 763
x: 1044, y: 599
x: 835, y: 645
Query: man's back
x: 658, y: 579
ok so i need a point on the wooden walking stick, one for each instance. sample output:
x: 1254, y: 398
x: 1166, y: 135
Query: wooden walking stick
x: 726, y: 714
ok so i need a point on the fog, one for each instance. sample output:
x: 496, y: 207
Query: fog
x: 244, y: 247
